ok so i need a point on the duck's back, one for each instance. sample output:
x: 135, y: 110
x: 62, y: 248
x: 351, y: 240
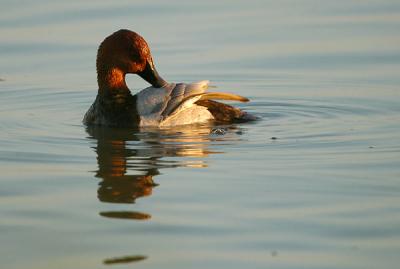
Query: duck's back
x: 173, y: 104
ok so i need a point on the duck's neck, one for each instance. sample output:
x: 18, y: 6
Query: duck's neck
x: 111, y: 82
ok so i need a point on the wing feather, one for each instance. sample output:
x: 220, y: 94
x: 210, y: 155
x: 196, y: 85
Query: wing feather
x: 183, y: 92
x: 190, y: 100
x: 176, y: 98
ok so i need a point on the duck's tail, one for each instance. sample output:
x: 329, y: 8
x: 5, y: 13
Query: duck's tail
x: 225, y: 113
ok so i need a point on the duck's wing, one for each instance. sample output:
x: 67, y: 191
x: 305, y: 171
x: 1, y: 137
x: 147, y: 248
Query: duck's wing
x: 159, y: 104
x: 181, y: 93
x: 156, y: 104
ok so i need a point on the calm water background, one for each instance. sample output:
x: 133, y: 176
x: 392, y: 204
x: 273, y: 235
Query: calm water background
x: 313, y: 184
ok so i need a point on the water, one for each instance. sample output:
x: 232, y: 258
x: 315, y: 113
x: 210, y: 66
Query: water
x: 313, y: 184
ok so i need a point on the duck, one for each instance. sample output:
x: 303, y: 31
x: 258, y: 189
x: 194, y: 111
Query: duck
x: 162, y: 104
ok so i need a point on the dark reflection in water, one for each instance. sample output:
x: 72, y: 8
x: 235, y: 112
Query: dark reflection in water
x: 125, y: 259
x: 128, y: 161
x: 125, y: 215
x: 117, y: 186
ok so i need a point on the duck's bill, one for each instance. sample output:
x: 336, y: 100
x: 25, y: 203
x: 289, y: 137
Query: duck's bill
x: 151, y: 76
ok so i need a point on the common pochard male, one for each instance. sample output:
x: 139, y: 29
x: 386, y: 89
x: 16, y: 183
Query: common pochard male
x: 161, y: 104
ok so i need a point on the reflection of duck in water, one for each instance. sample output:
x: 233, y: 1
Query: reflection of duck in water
x: 117, y: 186
x: 163, y: 104
x: 128, y: 160
x: 125, y: 188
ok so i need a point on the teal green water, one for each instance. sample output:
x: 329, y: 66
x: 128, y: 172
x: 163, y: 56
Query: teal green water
x: 315, y: 183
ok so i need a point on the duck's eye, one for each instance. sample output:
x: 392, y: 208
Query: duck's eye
x: 134, y: 55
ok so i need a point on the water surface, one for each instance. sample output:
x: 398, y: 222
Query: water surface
x: 313, y: 184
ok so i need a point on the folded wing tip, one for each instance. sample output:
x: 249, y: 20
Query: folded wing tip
x: 223, y: 96
x: 244, y: 99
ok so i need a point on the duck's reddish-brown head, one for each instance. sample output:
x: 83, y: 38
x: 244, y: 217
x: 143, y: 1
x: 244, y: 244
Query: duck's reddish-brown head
x: 125, y: 52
